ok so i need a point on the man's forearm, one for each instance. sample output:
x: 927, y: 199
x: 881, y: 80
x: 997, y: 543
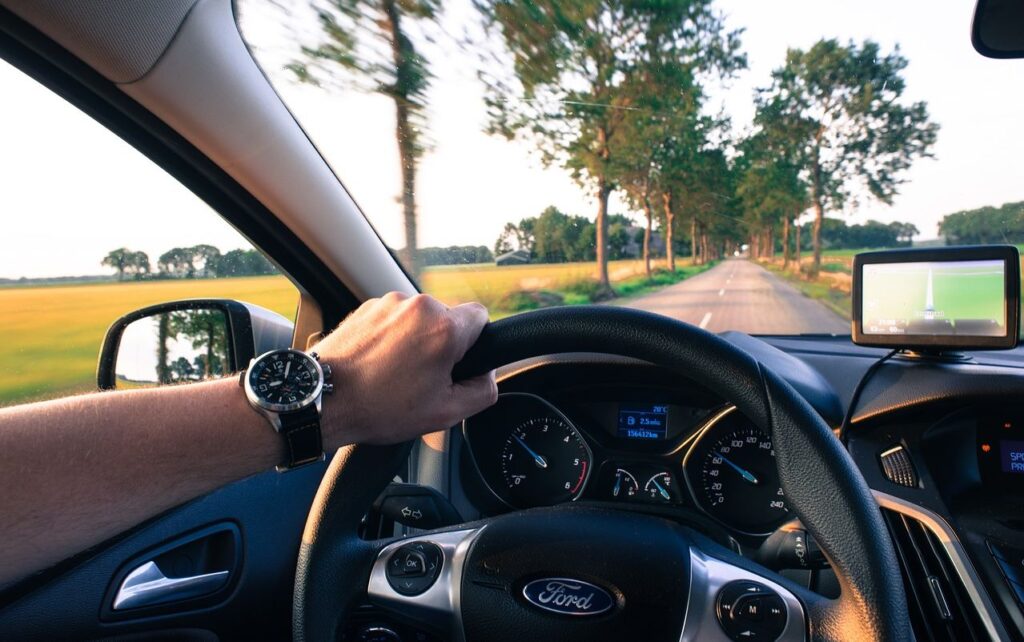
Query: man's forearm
x: 83, y: 469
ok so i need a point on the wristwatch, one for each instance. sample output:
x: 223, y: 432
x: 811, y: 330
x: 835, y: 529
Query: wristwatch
x: 287, y: 387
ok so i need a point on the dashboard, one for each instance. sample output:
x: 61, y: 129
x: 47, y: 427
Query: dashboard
x: 672, y: 447
x: 941, y: 446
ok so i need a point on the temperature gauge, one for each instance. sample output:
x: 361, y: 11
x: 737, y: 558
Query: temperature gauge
x: 660, y: 488
x: 625, y: 485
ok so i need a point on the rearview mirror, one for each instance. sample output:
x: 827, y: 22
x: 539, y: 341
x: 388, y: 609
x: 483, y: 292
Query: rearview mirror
x: 998, y: 28
x: 186, y: 341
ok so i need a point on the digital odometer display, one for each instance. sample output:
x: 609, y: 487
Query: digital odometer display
x: 544, y: 461
x: 643, y: 421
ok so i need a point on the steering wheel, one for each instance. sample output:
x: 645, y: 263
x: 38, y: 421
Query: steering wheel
x: 574, y: 572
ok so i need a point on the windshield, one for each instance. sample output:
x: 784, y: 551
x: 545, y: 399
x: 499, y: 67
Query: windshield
x: 718, y: 161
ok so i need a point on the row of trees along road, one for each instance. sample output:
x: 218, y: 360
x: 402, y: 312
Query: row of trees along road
x: 198, y: 261
x: 1003, y: 224
x: 615, y: 92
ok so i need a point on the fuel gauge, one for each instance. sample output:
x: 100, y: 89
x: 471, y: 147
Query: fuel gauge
x: 625, y: 485
x: 660, y: 488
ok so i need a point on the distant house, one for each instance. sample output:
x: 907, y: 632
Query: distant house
x: 515, y: 257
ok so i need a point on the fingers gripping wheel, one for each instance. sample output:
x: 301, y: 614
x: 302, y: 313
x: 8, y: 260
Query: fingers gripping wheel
x: 823, y: 487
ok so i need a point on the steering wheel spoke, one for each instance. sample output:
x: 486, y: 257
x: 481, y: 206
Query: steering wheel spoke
x: 420, y: 579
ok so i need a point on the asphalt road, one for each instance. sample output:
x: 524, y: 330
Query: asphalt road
x: 740, y: 295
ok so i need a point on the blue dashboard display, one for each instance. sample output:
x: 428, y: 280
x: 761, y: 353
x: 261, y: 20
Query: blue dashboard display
x: 643, y: 421
x: 1012, y: 458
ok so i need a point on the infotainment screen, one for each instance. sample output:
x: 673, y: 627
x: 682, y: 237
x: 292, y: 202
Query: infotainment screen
x: 942, y: 297
x: 643, y: 421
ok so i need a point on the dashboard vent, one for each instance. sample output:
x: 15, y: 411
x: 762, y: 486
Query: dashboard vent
x: 940, y: 608
x: 898, y: 468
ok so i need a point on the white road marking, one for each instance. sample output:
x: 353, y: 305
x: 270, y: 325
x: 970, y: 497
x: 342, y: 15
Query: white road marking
x: 704, y: 321
x: 721, y: 292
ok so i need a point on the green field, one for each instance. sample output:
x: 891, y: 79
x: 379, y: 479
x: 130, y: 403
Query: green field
x: 52, y: 333
x: 488, y: 283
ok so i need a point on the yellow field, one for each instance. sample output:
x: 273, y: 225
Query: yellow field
x: 487, y: 283
x: 51, y: 335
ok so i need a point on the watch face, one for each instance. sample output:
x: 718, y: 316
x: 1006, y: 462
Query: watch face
x: 285, y: 379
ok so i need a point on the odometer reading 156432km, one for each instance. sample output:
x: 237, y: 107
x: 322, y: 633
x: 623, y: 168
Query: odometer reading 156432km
x: 544, y: 461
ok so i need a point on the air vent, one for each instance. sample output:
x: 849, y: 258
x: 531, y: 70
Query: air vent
x: 940, y: 608
x: 898, y: 468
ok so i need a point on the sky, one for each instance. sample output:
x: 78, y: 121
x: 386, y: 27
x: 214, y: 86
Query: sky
x: 70, y: 191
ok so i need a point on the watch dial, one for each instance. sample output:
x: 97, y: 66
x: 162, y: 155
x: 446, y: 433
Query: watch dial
x: 284, y: 378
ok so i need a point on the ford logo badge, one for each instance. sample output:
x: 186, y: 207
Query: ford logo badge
x: 568, y: 596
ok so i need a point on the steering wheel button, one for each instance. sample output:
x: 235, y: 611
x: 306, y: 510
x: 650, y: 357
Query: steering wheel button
x: 413, y: 568
x: 748, y: 608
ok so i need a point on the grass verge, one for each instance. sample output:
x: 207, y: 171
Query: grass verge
x: 836, y: 299
x: 585, y: 291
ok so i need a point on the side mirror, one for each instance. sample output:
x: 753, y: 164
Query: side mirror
x: 998, y: 28
x: 190, y: 340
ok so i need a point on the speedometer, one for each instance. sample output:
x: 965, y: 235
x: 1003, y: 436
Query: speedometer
x: 544, y: 461
x: 733, y: 475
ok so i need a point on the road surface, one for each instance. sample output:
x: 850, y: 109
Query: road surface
x: 740, y: 295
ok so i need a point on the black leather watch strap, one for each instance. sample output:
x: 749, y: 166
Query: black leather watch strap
x: 303, y: 442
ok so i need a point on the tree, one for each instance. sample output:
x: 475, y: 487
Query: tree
x: 663, y: 124
x: 770, y: 189
x: 368, y: 42
x: 572, y: 63
x: 118, y: 259
x: 127, y: 263
x: 841, y: 103
x: 205, y: 259
x: 138, y: 265
x: 1003, y: 224
x: 177, y: 263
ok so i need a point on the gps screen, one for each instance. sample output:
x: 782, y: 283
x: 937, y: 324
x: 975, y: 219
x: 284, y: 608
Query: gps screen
x: 965, y: 298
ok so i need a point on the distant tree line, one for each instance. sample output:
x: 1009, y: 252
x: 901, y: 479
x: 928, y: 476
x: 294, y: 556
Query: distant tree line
x: 837, y: 235
x: 556, y: 237
x: 195, y: 262
x: 1003, y: 224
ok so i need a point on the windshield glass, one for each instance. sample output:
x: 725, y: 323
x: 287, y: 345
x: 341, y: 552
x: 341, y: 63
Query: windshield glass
x: 718, y: 161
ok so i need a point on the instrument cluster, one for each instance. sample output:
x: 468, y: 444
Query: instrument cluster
x: 707, y: 457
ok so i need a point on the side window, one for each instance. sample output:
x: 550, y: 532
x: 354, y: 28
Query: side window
x: 91, y: 230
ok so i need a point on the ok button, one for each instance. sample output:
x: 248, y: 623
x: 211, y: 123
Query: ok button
x: 407, y: 563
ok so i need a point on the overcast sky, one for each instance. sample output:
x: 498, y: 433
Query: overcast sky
x: 70, y: 191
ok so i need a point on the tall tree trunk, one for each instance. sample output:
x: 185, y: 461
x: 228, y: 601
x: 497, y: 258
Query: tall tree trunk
x: 796, y: 256
x: 209, y: 349
x: 670, y: 251
x: 603, y: 191
x: 819, y: 218
x: 693, y: 242
x: 785, y: 241
x: 406, y: 136
x: 771, y: 242
x: 163, y: 371
x: 819, y: 210
x: 647, y: 236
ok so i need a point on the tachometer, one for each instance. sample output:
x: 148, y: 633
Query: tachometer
x: 733, y: 475
x: 544, y: 461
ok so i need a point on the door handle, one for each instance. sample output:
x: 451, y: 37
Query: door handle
x: 147, y: 586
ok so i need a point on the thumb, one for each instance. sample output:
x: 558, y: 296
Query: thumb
x: 470, y: 396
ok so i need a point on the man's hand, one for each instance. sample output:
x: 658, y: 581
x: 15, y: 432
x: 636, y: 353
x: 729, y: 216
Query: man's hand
x: 392, y: 361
